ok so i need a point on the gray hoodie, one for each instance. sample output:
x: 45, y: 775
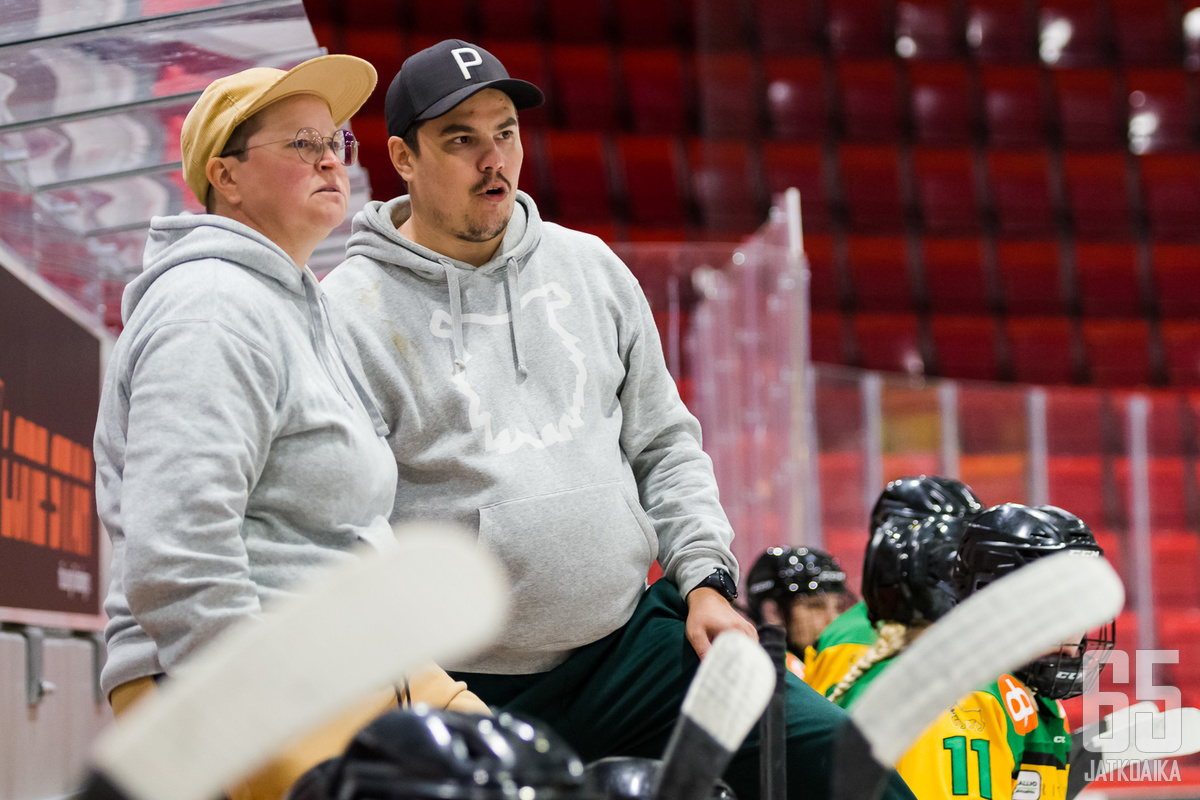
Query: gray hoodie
x: 528, y: 399
x: 234, y: 451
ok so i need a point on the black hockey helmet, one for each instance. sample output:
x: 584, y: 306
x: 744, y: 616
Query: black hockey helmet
x: 781, y: 573
x: 908, y: 570
x: 632, y: 778
x: 426, y: 754
x: 1005, y: 538
x: 914, y: 498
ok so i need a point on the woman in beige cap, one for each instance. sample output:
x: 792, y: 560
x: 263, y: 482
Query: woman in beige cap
x: 236, y: 452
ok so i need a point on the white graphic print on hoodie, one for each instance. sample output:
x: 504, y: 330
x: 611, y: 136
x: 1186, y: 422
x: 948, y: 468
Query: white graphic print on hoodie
x: 528, y: 399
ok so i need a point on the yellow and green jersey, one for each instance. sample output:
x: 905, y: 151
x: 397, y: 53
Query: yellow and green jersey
x: 997, y: 743
x: 838, y: 647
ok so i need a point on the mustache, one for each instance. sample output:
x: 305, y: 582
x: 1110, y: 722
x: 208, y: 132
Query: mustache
x: 479, y: 187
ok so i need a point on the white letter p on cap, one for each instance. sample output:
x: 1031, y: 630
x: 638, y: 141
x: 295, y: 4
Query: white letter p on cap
x: 464, y: 66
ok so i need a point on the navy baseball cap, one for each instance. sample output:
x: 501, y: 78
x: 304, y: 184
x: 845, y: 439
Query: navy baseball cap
x: 438, y: 78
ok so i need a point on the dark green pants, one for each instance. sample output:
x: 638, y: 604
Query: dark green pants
x: 621, y: 696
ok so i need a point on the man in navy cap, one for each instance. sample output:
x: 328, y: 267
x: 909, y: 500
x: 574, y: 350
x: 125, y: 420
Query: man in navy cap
x: 519, y: 369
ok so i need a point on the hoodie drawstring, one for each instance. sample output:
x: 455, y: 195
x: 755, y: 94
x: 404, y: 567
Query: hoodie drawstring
x: 456, y: 333
x: 514, y: 306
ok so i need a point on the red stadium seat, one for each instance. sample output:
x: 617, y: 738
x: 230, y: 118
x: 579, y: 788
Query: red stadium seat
x: 371, y: 133
x: 527, y: 61
x: 1176, y: 568
x: 861, y: 28
x: 785, y: 29
x: 1001, y: 31
x: 871, y: 109
x: 1041, y: 349
x: 802, y: 165
x: 847, y: 545
x: 1167, y: 479
x: 1013, y: 105
x: 1072, y: 33
x: 929, y: 30
x: 890, y: 342
x: 386, y: 50
x: 1110, y: 543
x: 1090, y: 113
x: 824, y: 291
x: 1171, y: 194
x: 879, y: 273
x: 385, y: 15
x: 1096, y: 187
x: 842, y: 495
x: 1144, y: 32
x: 942, y: 104
x: 508, y: 19
x: 1076, y: 483
x: 579, y: 22
x: 642, y: 24
x: 870, y: 180
x: 729, y: 89
x: 437, y: 20
x: 1181, y: 352
x: 658, y: 95
x: 650, y: 169
x: 796, y: 102
x: 1176, y: 270
x: 944, y: 179
x: 955, y: 279
x: 825, y: 337
x: 725, y: 184
x: 1179, y: 629
x: 579, y: 177
x: 1078, y: 422
x: 1021, y: 193
x: 584, y: 87
x: 1160, y: 116
x: 964, y: 347
x: 719, y: 26
x: 1031, y: 281
x: 1118, y: 351
x: 1107, y: 277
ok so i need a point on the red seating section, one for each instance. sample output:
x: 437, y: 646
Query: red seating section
x: 1023, y: 176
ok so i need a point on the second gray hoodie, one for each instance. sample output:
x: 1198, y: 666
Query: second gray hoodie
x: 235, y: 452
x: 528, y: 399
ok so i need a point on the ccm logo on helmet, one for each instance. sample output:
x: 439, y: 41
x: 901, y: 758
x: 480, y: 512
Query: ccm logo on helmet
x: 464, y: 66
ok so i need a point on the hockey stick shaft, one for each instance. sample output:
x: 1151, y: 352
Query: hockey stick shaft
x: 357, y: 629
x: 772, y: 737
x: 728, y: 694
x: 1004, y: 626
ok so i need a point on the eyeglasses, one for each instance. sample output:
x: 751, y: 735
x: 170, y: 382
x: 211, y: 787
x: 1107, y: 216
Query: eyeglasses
x: 310, y: 146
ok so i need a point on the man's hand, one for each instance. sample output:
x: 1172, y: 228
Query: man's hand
x: 709, y: 615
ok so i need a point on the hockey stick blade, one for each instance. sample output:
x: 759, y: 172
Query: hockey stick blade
x: 1085, y: 758
x: 1004, y: 626
x: 1152, y: 737
x: 726, y: 697
x: 356, y: 629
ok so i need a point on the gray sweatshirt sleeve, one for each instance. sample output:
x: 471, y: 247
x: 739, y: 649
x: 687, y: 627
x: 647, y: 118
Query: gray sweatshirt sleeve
x: 661, y: 439
x: 201, y: 408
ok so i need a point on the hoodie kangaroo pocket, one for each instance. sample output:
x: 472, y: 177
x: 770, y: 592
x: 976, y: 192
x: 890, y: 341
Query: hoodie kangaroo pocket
x: 576, y: 562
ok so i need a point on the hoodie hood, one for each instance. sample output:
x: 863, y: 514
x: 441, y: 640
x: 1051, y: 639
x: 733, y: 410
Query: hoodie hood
x: 375, y: 234
x: 180, y: 239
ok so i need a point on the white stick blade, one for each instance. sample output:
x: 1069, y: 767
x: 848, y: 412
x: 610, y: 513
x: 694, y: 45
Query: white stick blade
x: 1165, y: 734
x: 355, y: 629
x: 997, y: 629
x: 730, y: 689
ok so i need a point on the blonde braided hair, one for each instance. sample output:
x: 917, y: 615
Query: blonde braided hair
x: 893, y: 638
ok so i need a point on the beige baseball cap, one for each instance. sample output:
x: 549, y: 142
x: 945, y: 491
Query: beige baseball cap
x: 344, y: 82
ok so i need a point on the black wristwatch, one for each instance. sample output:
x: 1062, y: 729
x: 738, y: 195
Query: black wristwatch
x: 722, y: 581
